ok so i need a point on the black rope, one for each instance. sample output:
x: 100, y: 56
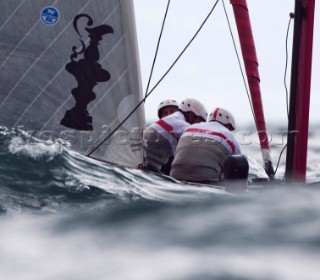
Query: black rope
x: 157, y: 48
x: 286, y: 65
x: 239, y: 61
x: 243, y: 76
x: 280, y: 158
x: 164, y: 75
x: 146, y: 94
x: 185, y: 48
x: 285, y: 84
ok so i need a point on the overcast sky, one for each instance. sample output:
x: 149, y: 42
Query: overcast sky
x: 209, y: 69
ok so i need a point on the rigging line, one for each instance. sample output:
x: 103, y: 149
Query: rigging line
x: 185, y: 48
x: 285, y: 83
x: 157, y: 48
x: 285, y: 146
x: 164, y: 75
x: 286, y: 65
x: 239, y: 61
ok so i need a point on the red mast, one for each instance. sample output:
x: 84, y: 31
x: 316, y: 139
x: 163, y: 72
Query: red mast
x: 242, y: 18
x: 300, y: 91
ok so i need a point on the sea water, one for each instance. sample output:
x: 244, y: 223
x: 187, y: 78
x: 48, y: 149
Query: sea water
x: 65, y: 216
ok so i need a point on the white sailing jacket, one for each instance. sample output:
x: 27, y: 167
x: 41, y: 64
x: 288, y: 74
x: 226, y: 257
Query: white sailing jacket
x: 171, y: 128
x: 162, y: 139
x: 214, y: 131
x: 201, y: 152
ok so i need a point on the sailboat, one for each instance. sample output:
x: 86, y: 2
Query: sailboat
x: 70, y: 71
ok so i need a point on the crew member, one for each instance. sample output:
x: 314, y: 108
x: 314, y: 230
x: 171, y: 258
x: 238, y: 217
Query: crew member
x: 204, y: 147
x: 162, y: 136
x: 166, y: 108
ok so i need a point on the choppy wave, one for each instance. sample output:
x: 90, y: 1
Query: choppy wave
x: 65, y: 216
x: 46, y: 175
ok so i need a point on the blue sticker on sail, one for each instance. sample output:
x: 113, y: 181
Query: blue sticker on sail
x: 49, y: 15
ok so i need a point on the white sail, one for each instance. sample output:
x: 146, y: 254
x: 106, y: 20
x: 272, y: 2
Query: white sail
x: 69, y: 69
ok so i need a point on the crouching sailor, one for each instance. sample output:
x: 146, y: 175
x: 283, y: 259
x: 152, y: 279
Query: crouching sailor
x: 162, y: 136
x: 203, y: 148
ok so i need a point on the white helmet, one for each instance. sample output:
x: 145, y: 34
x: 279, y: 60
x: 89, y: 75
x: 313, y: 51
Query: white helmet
x: 193, y: 105
x: 223, y: 116
x: 165, y: 103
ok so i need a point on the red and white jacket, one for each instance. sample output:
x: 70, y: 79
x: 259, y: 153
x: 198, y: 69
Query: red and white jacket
x: 171, y: 128
x: 214, y: 131
x: 201, y: 152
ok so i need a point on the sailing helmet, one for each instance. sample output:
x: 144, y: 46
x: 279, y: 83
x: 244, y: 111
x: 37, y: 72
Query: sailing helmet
x: 165, y: 103
x: 193, y: 105
x: 223, y: 116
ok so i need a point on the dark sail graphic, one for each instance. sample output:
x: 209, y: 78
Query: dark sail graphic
x: 88, y: 72
x: 51, y: 89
